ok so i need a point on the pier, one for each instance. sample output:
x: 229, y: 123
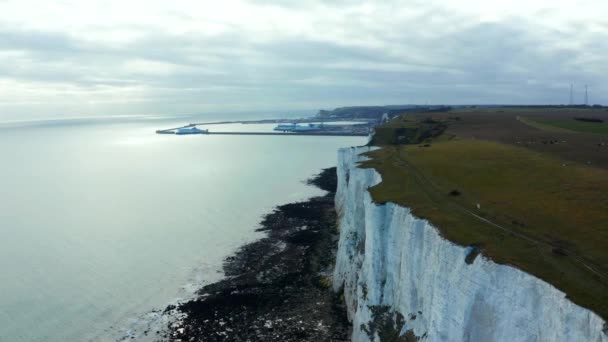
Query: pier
x: 337, y: 134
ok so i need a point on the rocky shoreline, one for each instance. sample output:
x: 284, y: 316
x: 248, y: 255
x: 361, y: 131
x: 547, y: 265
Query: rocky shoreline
x: 277, y: 288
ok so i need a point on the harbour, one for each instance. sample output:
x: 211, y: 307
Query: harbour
x: 284, y: 128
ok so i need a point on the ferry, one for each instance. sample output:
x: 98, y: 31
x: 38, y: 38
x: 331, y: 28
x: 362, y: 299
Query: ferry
x: 191, y: 130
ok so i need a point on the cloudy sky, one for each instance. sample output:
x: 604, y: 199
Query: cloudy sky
x: 112, y: 57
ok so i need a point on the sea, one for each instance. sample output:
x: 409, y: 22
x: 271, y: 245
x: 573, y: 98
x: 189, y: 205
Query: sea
x: 103, y: 223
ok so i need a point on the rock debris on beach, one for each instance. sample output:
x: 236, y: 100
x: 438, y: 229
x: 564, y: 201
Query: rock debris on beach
x: 276, y: 289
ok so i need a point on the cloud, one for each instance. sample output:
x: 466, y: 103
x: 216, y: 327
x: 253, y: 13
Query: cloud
x: 183, y: 56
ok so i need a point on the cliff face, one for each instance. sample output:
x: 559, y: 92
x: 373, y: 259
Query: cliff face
x: 401, y: 279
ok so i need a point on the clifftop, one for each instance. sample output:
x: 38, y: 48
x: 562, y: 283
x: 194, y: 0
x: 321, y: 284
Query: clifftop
x: 525, y: 187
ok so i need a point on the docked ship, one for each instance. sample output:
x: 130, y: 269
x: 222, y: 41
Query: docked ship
x: 299, y: 128
x: 191, y: 130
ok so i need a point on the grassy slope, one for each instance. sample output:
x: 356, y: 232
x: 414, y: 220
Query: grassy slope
x: 536, y: 214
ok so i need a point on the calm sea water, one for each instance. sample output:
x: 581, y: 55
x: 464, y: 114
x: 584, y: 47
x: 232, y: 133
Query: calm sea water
x: 103, y: 222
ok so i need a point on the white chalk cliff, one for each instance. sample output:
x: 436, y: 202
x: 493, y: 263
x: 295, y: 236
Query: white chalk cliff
x: 398, y: 274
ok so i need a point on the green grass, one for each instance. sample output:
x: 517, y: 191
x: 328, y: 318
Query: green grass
x: 569, y: 125
x: 407, y: 130
x: 536, y: 214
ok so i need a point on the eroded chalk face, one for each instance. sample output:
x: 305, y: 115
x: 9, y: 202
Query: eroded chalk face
x: 408, y: 281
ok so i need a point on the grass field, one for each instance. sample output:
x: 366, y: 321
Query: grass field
x: 545, y: 215
x: 568, y: 125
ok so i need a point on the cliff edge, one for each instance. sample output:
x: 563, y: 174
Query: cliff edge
x: 403, y: 281
x: 477, y: 225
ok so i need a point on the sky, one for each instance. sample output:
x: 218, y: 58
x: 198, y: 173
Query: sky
x: 132, y: 57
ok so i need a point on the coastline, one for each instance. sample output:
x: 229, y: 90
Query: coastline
x: 277, y: 288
